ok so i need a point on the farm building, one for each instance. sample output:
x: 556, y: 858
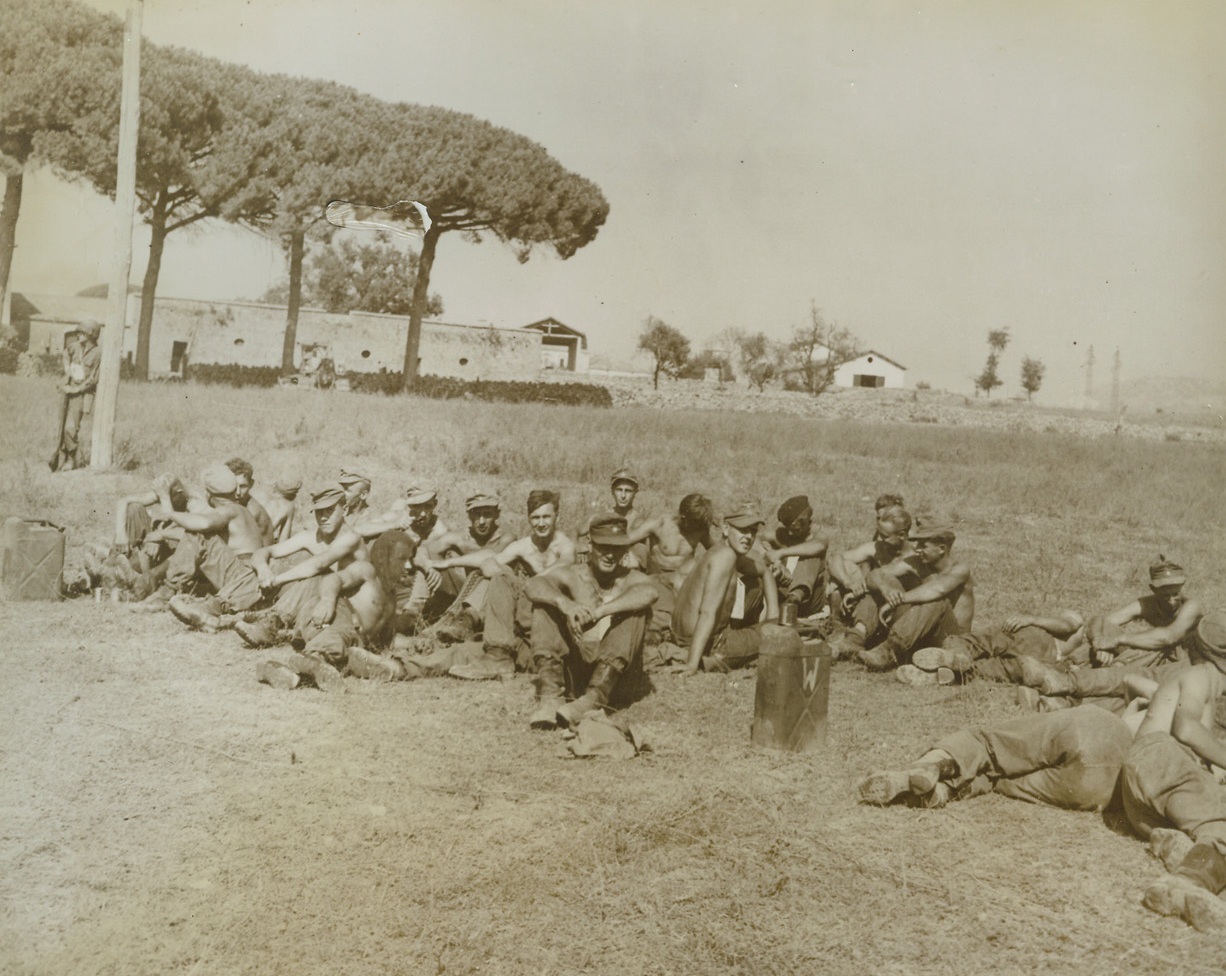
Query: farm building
x: 250, y: 334
x: 871, y: 369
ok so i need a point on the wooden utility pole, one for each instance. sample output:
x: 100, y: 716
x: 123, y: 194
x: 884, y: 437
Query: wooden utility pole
x: 106, y: 398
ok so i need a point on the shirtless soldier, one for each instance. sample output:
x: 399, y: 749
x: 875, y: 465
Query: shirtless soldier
x: 706, y: 601
x: 849, y: 570
x: 1167, y: 782
x: 675, y: 541
x: 920, y: 600
x: 330, y: 546
x: 245, y: 474
x: 216, y: 551
x: 589, y: 621
x: 1145, y: 637
x: 508, y: 610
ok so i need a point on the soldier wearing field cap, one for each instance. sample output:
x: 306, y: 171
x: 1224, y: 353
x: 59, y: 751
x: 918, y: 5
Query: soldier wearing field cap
x: 721, y: 596
x: 460, y: 565
x: 82, y: 359
x: 920, y: 598
x: 215, y: 552
x: 589, y: 621
x: 1144, y: 638
x: 1170, y: 793
x: 797, y: 557
x: 357, y: 488
x: 624, y: 487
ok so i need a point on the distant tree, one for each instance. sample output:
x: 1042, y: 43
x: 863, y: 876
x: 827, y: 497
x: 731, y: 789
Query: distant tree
x: 351, y: 275
x: 1032, y: 375
x: 59, y: 61
x: 817, y: 349
x: 476, y: 178
x: 696, y: 368
x: 989, y: 379
x: 669, y: 347
x: 760, y: 358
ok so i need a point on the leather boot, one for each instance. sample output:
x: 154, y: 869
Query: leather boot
x: 549, y: 691
x: 596, y: 696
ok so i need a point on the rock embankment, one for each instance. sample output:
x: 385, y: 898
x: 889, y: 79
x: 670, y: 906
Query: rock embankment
x: 907, y: 407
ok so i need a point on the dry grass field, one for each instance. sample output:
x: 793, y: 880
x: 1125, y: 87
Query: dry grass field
x: 165, y: 813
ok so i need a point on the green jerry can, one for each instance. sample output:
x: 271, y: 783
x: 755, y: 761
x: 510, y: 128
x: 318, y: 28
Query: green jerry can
x: 31, y: 560
x: 792, y: 692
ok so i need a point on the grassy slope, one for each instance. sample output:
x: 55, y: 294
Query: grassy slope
x: 165, y: 813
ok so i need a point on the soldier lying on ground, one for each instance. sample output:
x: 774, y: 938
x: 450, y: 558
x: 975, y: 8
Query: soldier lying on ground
x: 1167, y: 783
x: 1001, y: 653
x: 1146, y: 637
x: 1069, y: 759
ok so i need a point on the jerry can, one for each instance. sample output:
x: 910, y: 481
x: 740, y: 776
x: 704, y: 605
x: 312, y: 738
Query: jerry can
x: 792, y: 692
x: 31, y: 560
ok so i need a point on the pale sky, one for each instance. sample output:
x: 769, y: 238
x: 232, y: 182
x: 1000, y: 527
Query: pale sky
x: 924, y: 171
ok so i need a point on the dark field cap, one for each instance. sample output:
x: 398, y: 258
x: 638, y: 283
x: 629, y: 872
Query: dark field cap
x: 794, y: 508
x: 608, y: 530
x: 1212, y: 632
x: 480, y: 500
x: 1163, y: 572
x: 326, y: 498
x: 930, y: 530
x: 420, y: 495
x: 744, y: 516
x: 625, y: 474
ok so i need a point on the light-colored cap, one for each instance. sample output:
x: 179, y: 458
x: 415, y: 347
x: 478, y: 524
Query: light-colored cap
x: 626, y: 475
x: 481, y: 500
x: 219, y: 480
x: 744, y: 516
x: 419, y: 495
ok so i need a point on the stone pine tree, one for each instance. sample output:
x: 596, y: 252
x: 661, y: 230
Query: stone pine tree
x: 477, y: 179
x: 669, y: 347
x: 989, y: 379
x: 327, y: 146
x: 1032, y: 375
x: 59, y: 61
x: 204, y: 133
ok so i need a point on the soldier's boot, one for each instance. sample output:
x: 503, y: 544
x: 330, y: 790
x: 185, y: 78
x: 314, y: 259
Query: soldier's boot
x: 595, y: 696
x: 1169, y: 846
x: 155, y: 602
x: 265, y: 630
x: 1042, y: 676
x: 277, y: 675
x: 361, y: 663
x: 199, y: 613
x: 496, y: 662
x: 550, y: 689
x: 456, y: 628
x: 325, y: 677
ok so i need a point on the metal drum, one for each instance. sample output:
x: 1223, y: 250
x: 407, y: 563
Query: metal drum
x: 793, y: 688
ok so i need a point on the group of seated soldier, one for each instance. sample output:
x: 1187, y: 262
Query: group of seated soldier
x: 401, y: 595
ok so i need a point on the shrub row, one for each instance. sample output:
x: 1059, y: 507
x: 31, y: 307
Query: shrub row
x: 436, y: 387
x: 8, y: 360
x: 231, y: 375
